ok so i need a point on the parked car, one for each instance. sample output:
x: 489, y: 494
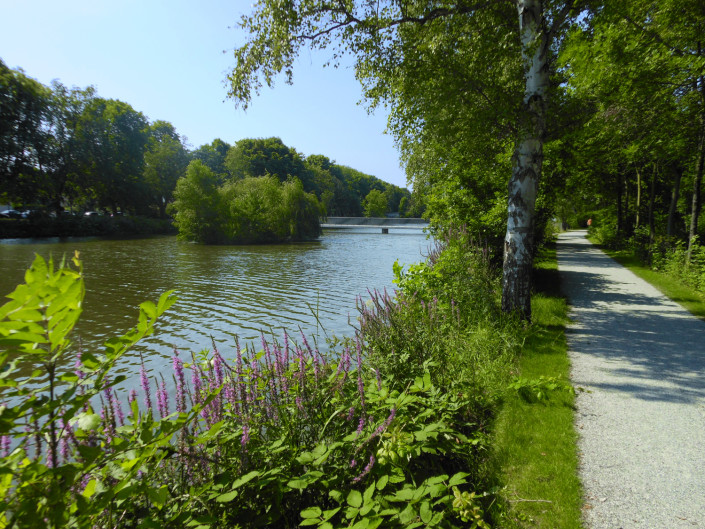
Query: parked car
x: 11, y: 214
x: 92, y: 214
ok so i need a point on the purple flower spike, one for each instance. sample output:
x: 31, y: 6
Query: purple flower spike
x: 162, y: 399
x: 366, y: 471
x: 144, y: 381
x: 360, y: 426
x: 118, y: 408
x: 5, y: 443
x: 197, y: 384
x: 180, y: 383
x: 245, y: 436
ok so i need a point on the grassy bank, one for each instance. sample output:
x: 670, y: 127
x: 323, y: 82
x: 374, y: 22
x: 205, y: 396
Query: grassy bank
x: 670, y: 286
x: 534, y: 439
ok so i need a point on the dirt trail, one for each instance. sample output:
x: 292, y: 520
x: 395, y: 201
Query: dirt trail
x: 641, y: 419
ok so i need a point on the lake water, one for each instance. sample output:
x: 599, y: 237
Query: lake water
x: 224, y: 291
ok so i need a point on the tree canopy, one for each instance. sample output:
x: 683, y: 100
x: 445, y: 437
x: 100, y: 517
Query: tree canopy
x: 67, y: 148
x: 469, y: 84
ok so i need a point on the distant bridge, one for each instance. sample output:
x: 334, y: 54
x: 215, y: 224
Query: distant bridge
x: 385, y: 223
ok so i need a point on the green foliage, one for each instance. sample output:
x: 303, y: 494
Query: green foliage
x: 539, y: 389
x: 197, y: 207
x: 41, y: 484
x: 264, y: 210
x: 250, y: 210
x: 445, y: 315
x: 269, y: 441
x: 375, y: 204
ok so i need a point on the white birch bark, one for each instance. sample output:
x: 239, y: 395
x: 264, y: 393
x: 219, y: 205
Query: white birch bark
x: 527, y: 161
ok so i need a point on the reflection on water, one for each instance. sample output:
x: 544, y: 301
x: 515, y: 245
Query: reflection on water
x: 224, y: 291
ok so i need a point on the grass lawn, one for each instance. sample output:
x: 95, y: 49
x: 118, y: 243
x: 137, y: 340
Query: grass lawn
x: 536, y: 451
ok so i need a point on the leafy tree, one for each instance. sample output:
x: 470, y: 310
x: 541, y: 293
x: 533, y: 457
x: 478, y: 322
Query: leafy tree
x: 264, y: 210
x: 375, y: 204
x: 641, y: 66
x: 24, y: 108
x: 197, y: 206
x: 213, y: 156
x: 63, y: 179
x: 260, y: 157
x: 164, y: 163
x: 243, y: 211
x: 375, y: 35
x: 116, y: 136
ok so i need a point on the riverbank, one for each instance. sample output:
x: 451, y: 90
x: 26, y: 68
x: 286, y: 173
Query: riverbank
x: 82, y: 226
x: 394, y: 427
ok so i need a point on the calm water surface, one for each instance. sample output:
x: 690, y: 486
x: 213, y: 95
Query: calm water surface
x: 224, y: 291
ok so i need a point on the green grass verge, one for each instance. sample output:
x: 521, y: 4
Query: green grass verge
x: 671, y: 287
x: 536, y: 453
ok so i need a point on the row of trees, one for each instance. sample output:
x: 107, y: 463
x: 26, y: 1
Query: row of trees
x: 69, y: 148
x: 599, y: 101
x: 636, y: 71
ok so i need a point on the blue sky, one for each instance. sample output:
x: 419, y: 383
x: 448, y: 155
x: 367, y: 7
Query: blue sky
x: 166, y: 58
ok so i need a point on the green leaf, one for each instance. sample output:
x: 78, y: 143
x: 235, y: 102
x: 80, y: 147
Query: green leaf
x: 406, y: 494
x: 354, y: 499
x: 382, y: 482
x: 227, y: 497
x: 425, y: 512
x: 369, y: 492
x: 305, y: 457
x: 299, y: 484
x: 327, y: 515
x: 407, y: 515
x: 90, y: 488
x: 362, y: 524
x: 87, y: 421
x: 244, y: 479
x: 458, y: 479
x: 150, y: 309
x: 158, y: 496
x: 309, y: 521
x: 311, y: 512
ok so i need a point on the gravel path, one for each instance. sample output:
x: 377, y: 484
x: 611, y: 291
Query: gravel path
x: 641, y: 419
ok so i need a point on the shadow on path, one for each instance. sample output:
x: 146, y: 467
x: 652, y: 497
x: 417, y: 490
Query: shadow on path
x: 652, y: 339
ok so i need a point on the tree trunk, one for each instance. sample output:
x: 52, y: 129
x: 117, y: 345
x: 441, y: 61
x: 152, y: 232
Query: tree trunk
x: 652, y: 198
x: 698, y: 176
x: 697, y: 184
x: 678, y: 173
x: 628, y: 225
x: 527, y: 161
x: 620, y: 212
x: 638, y: 197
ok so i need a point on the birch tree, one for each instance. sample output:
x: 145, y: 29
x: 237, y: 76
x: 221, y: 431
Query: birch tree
x: 371, y: 31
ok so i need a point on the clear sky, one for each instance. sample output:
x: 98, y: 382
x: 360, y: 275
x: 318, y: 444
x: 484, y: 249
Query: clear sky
x: 169, y: 58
